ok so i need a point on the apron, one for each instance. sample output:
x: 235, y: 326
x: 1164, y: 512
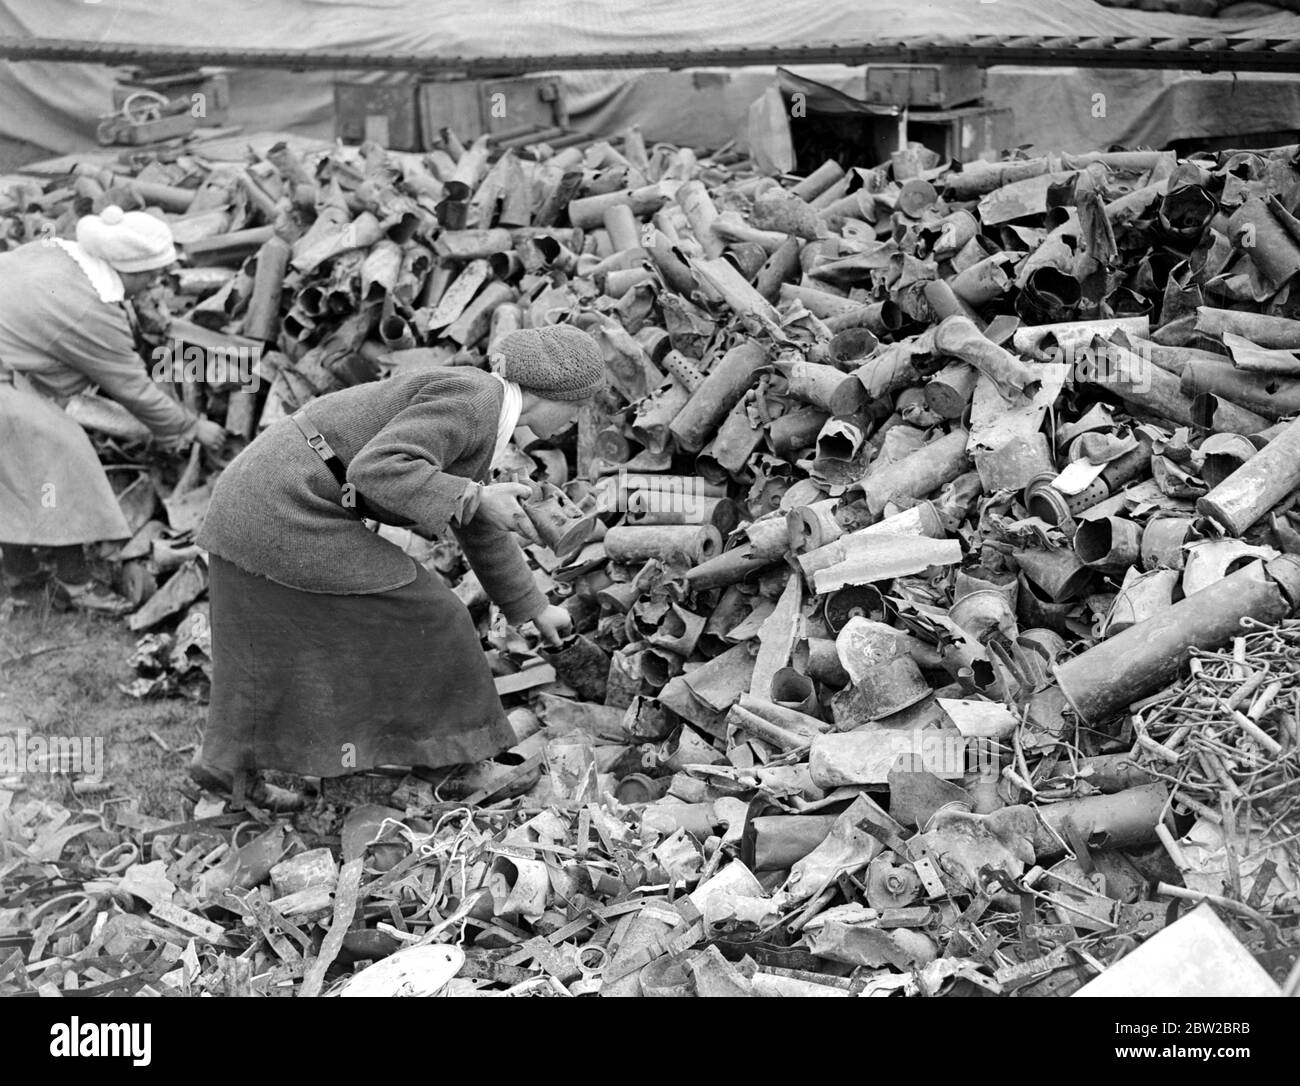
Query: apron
x: 53, y: 490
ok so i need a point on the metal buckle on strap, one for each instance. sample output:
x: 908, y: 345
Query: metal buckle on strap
x: 322, y: 447
x: 314, y: 437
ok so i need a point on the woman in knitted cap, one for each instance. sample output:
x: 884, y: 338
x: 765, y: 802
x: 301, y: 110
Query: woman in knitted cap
x: 333, y: 651
x: 63, y: 328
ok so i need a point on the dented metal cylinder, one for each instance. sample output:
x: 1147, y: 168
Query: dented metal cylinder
x: 1258, y: 485
x: 918, y: 474
x: 730, y: 567
x: 560, y: 524
x: 1101, y: 682
x: 720, y: 391
x: 695, y: 543
x: 1274, y: 398
x: 1118, y: 820
x: 1108, y: 543
x: 581, y: 664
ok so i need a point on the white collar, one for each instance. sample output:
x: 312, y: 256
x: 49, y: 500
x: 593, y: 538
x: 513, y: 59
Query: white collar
x: 512, y: 403
x: 102, y: 275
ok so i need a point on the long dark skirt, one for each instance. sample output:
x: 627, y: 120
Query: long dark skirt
x: 323, y: 685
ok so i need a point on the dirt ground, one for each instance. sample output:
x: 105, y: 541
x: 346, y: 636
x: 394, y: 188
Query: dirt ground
x: 59, y: 676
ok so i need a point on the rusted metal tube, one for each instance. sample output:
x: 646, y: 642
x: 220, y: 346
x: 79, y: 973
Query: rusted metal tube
x: 701, y: 214
x: 1139, y: 382
x: 1108, y: 543
x: 793, y: 689
x: 624, y: 231
x: 1213, y: 413
x: 1273, y: 398
x: 851, y: 345
x: 228, y: 249
x: 1258, y: 485
x: 748, y: 257
x: 946, y: 304
x: 581, y: 664
x: 777, y: 842
x: 656, y: 412
x: 889, y: 372
x: 818, y: 302
x: 803, y: 724
x: 768, y: 536
x: 1101, y: 682
x: 826, y: 387
x: 924, y: 471
x: 835, y: 191
x: 795, y: 431
x: 1260, y: 329
x: 1223, y: 454
x: 472, y: 325
x: 819, y: 658
x: 819, y: 180
x: 779, y: 209
x: 982, y: 282
x: 723, y: 386
x: 728, y: 453
x: 1111, y: 821
x: 811, y: 526
x: 670, y: 489
x: 1113, y: 772
x: 859, y: 206
x: 959, y: 337
x: 730, y: 567
x: 723, y: 513
x: 679, y: 631
x: 559, y: 523
x: 696, y: 543
x: 921, y: 519
x: 1059, y: 573
x: 262, y: 318
x: 168, y: 197
x: 1162, y: 542
x: 948, y: 392
x: 588, y: 212
x: 780, y: 268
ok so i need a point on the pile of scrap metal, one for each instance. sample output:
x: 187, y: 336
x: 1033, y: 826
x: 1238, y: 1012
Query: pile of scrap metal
x: 931, y: 560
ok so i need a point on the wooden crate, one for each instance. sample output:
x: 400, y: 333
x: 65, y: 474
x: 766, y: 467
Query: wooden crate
x: 388, y: 113
x: 472, y: 107
x: 933, y: 86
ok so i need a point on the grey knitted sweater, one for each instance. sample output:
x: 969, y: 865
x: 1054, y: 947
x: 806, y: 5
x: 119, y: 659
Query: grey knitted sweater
x: 410, y: 444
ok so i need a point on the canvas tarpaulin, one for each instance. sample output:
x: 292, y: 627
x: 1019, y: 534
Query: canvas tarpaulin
x: 56, y: 105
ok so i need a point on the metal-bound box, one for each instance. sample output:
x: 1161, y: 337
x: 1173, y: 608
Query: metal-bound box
x: 388, y: 113
x: 453, y: 104
x: 472, y: 108
x: 511, y: 104
x: 937, y: 86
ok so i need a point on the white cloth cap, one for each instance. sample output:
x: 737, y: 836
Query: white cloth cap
x: 131, y: 241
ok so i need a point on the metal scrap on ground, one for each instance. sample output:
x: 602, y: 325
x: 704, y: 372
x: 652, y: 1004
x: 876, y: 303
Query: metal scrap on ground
x: 932, y: 556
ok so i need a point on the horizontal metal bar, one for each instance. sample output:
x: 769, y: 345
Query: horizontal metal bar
x: 1197, y: 54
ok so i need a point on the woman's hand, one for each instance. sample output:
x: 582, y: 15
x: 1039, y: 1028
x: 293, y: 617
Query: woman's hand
x: 211, y: 435
x: 554, y: 623
x: 498, y: 505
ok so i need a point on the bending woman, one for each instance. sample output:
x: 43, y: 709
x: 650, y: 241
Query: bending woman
x: 63, y: 328
x: 333, y: 651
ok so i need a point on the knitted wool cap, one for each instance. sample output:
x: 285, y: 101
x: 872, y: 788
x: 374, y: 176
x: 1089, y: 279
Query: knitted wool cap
x: 131, y: 241
x: 557, y: 362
